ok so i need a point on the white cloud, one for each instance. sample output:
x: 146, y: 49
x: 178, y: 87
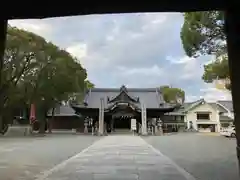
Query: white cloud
x: 191, y: 98
x: 153, y: 20
x: 110, y: 38
x: 40, y: 27
x: 209, y: 92
x: 91, y: 61
x: 78, y: 50
x: 181, y: 60
x: 153, y: 71
x: 136, y: 35
x: 214, y: 94
x: 192, y: 69
x: 210, y: 95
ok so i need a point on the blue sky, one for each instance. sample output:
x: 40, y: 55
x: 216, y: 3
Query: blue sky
x: 137, y: 50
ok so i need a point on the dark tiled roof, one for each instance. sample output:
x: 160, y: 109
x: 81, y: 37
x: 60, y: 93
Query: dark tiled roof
x: 227, y: 104
x: 151, y: 97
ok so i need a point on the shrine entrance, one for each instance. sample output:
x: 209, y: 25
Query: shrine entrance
x: 122, y: 123
x: 120, y: 120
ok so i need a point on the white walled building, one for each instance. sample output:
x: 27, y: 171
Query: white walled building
x: 205, y: 117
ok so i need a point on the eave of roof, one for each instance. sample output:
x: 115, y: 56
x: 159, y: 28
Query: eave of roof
x: 225, y: 118
x: 64, y: 115
x: 87, y: 7
x: 175, y: 113
x: 222, y: 104
x: 129, y: 104
x: 186, y: 107
x: 128, y: 89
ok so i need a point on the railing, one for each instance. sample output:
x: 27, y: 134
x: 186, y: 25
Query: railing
x: 204, y: 120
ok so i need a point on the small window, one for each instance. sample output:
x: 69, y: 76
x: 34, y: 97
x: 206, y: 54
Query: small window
x: 182, y: 118
x: 203, y: 116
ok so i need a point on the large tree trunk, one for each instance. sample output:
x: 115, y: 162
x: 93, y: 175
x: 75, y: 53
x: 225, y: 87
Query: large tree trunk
x: 42, y: 126
x: 42, y: 121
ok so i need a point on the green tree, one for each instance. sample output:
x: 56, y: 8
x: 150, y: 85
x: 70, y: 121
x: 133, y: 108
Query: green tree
x: 170, y: 94
x: 55, y: 79
x: 203, y: 34
x: 19, y: 58
x: 217, y: 69
x: 89, y: 85
x: 36, y: 71
x: 78, y: 97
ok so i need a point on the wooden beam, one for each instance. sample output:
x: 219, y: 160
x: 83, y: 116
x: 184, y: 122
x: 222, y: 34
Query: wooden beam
x: 3, y: 31
x: 72, y: 8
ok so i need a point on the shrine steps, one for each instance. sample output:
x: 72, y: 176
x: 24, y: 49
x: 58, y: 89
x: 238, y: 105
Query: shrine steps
x: 122, y: 131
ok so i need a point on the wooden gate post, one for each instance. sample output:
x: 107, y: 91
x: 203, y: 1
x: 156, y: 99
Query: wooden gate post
x: 3, y: 32
x: 232, y: 28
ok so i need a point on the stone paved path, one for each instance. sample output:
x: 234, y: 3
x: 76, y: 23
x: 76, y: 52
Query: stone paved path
x: 117, y: 157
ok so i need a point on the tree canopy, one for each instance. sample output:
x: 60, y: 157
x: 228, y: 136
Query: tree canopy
x: 89, y: 85
x: 203, y: 34
x: 37, y: 71
x: 170, y: 94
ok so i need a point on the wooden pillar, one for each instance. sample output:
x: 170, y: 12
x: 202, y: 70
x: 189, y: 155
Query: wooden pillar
x: 3, y: 31
x: 144, y: 120
x: 149, y: 125
x: 112, y: 124
x: 101, y: 118
x: 232, y: 27
x: 96, y: 127
x: 92, y: 126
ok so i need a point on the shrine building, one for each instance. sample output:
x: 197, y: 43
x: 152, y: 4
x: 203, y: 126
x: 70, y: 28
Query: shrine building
x: 110, y: 110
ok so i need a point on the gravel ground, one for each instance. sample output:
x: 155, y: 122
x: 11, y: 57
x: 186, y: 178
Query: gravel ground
x: 25, y: 158
x: 206, y: 157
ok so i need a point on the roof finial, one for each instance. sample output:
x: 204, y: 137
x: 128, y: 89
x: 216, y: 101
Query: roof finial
x: 123, y: 88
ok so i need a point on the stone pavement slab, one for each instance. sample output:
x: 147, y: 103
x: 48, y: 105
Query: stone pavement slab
x: 23, y: 158
x: 118, y: 157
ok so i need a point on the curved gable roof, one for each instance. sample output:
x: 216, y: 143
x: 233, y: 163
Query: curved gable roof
x: 122, y: 95
x: 151, y: 97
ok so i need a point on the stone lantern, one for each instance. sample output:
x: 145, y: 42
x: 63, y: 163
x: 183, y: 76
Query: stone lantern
x: 149, y: 126
x: 159, y: 127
